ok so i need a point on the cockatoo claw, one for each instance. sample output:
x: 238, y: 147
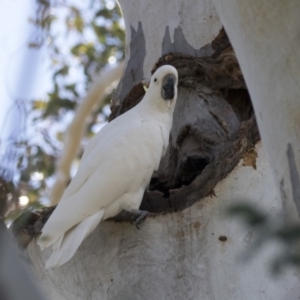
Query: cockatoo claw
x: 139, y: 216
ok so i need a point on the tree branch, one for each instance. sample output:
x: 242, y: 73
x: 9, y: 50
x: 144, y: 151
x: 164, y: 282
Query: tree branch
x: 75, y: 131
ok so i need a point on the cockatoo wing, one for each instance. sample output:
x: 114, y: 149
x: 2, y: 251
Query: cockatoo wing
x: 71, y: 240
x: 102, y: 180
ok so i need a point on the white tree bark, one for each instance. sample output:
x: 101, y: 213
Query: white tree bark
x: 163, y: 27
x: 157, y: 17
x: 177, y: 255
x: 16, y: 279
x: 265, y: 37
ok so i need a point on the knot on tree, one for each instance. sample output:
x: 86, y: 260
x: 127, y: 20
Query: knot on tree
x: 213, y: 128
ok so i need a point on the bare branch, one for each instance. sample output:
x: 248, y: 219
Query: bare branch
x: 16, y: 279
x: 77, y: 127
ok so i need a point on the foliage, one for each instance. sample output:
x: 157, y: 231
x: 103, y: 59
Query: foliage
x: 81, y: 38
x: 270, y: 229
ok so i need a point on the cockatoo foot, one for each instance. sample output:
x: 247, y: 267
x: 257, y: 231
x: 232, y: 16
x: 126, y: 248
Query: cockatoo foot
x: 138, y: 216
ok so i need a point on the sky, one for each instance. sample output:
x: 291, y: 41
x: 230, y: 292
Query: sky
x: 24, y: 73
x: 22, y: 69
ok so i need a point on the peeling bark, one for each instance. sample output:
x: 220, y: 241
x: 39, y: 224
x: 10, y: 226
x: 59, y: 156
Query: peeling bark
x: 294, y: 177
x: 134, y: 69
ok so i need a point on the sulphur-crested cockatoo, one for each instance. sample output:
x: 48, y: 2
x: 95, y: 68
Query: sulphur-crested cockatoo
x: 115, y: 170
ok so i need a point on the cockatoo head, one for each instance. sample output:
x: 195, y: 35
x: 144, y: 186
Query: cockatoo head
x: 163, y: 86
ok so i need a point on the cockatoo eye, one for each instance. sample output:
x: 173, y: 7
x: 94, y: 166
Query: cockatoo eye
x: 155, y: 79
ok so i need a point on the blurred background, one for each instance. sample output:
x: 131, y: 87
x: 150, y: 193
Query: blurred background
x: 51, y: 52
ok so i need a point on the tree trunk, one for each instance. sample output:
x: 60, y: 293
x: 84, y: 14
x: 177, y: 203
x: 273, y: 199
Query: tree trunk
x: 16, y: 279
x: 188, y: 249
x: 265, y: 36
x: 179, y: 255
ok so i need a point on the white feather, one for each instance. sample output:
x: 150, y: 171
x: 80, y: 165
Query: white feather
x: 115, y: 170
x: 72, y: 240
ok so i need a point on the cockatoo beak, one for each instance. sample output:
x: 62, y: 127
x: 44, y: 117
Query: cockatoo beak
x: 168, y: 87
x: 145, y: 84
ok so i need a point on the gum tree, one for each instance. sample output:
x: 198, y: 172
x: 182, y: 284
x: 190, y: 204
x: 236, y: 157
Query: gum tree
x: 188, y: 249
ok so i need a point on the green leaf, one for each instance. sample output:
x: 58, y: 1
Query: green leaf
x: 248, y: 213
x: 62, y: 71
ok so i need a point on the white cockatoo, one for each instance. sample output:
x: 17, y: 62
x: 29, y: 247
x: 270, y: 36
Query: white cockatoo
x: 115, y: 169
